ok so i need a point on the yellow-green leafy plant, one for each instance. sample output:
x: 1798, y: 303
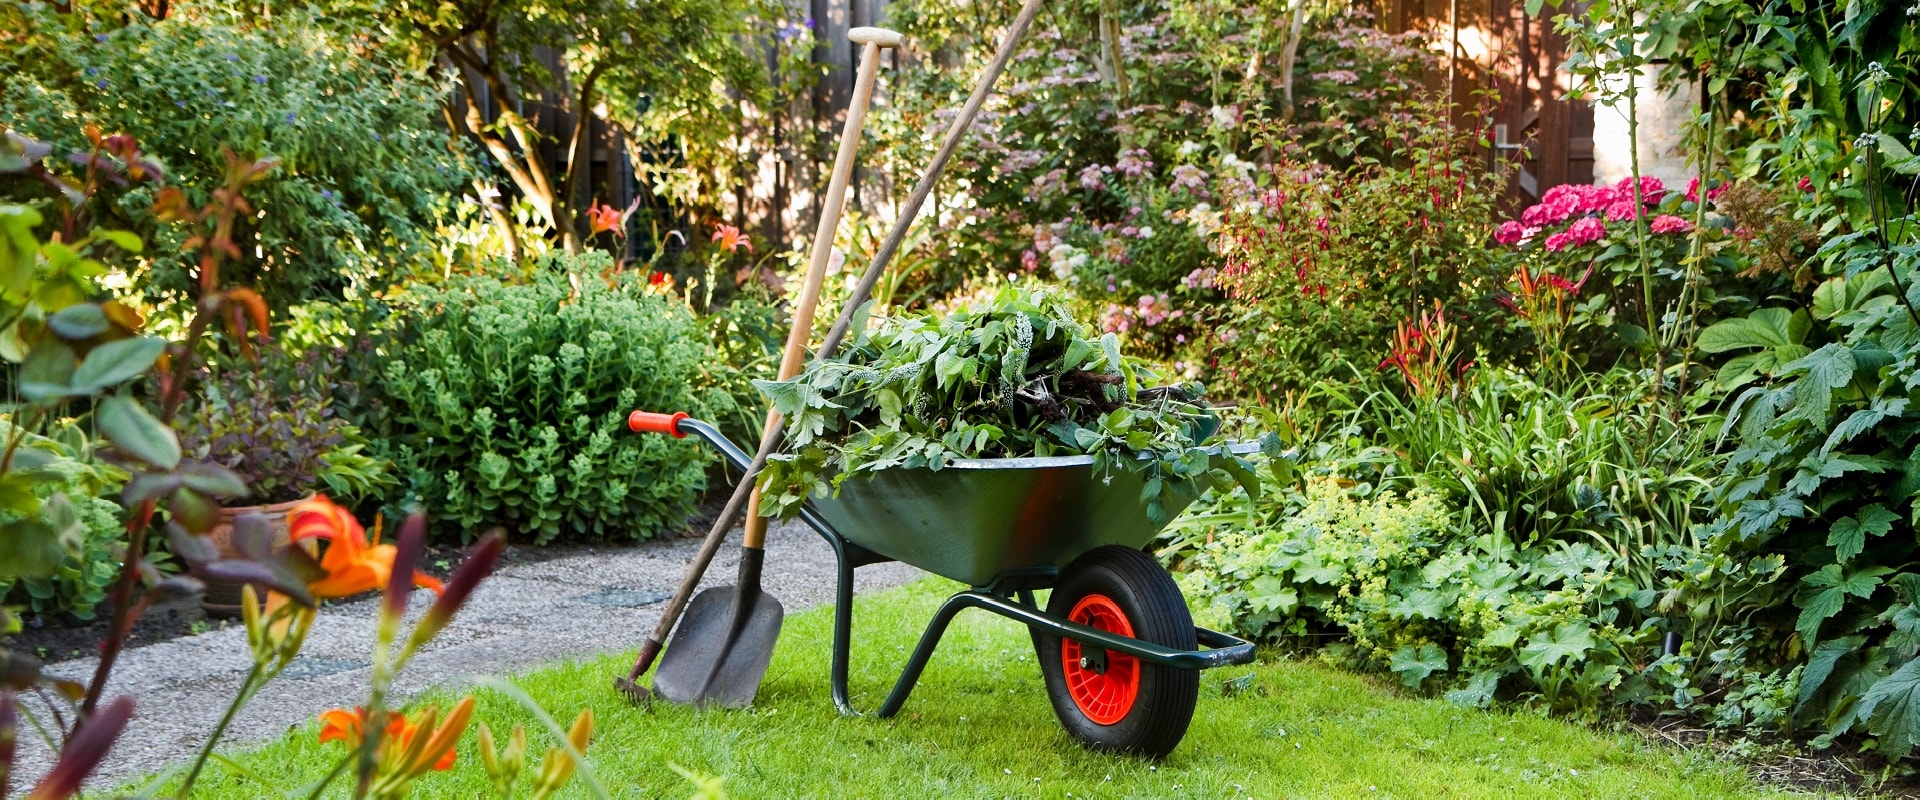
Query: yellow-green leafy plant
x: 503, y: 401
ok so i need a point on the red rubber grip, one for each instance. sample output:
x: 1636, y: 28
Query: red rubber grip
x: 655, y: 422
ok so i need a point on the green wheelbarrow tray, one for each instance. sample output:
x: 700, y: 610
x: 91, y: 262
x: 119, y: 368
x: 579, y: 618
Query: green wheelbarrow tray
x: 982, y: 521
x: 1005, y: 527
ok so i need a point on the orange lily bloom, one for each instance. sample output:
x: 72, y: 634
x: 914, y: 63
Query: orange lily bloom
x: 606, y: 218
x: 397, y: 755
x: 352, y: 563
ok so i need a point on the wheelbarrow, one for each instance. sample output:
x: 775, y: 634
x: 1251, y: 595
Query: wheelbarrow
x: 1116, y: 645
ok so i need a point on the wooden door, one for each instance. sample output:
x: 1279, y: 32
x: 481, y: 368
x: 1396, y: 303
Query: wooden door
x: 1551, y: 135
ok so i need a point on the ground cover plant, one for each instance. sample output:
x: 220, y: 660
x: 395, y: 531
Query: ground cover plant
x: 979, y: 724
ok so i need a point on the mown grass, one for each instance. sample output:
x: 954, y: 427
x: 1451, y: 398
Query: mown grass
x: 979, y: 726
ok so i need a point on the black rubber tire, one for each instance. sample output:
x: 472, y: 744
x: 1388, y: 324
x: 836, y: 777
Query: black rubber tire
x: 1157, y: 612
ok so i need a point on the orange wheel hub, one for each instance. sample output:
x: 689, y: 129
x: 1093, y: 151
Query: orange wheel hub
x: 1105, y: 696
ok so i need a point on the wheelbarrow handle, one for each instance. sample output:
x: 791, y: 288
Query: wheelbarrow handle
x: 656, y: 422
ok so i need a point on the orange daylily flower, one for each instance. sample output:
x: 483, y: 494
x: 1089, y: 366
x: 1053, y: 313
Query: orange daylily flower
x: 352, y: 563
x: 606, y: 218
x: 730, y: 238
x: 398, y: 756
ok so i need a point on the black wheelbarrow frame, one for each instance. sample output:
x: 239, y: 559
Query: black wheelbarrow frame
x: 1041, y: 536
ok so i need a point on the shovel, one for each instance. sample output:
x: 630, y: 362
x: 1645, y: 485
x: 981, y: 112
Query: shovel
x: 723, y: 645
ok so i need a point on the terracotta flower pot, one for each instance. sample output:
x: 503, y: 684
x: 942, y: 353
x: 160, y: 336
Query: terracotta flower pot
x: 222, y: 598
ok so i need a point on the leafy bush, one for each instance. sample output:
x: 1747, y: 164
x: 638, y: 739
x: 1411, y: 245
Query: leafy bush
x: 1819, y: 496
x: 1326, y: 263
x: 1127, y: 129
x: 505, y: 402
x: 273, y: 424
x: 364, y: 173
x: 78, y: 584
x: 1593, y: 266
x: 1512, y: 541
x: 1012, y: 376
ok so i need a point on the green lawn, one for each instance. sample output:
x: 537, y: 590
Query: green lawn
x: 979, y: 726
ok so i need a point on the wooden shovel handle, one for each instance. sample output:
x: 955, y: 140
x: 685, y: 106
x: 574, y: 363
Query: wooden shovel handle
x: 795, y: 352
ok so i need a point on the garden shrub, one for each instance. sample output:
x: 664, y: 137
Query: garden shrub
x: 79, y: 584
x: 270, y: 418
x: 1107, y: 165
x: 1511, y: 541
x: 1814, y: 546
x: 1580, y: 287
x: 1326, y: 263
x: 364, y: 170
x: 505, y: 402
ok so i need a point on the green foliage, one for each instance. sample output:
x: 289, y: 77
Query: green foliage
x: 678, y: 79
x: 365, y: 171
x: 1822, y: 484
x: 76, y: 578
x: 1009, y: 377
x: 1326, y: 263
x: 272, y: 423
x: 64, y: 350
x: 505, y: 402
x: 1510, y: 542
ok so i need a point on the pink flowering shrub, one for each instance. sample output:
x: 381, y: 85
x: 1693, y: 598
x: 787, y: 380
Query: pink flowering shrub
x: 1585, y: 240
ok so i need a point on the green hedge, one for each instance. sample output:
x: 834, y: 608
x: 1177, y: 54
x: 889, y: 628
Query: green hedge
x: 505, y: 403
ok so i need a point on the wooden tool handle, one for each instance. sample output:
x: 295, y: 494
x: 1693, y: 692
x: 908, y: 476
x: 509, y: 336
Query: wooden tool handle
x: 795, y: 352
x: 879, y: 36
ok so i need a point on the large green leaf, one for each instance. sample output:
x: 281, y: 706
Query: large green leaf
x: 137, y: 433
x: 1569, y: 641
x: 35, y: 547
x: 1766, y: 328
x: 18, y: 250
x: 1823, y: 593
x: 47, y: 374
x: 1413, y: 665
x: 116, y: 362
x: 1849, y: 535
x: 1892, y: 709
x: 1838, y: 296
x: 1478, y: 693
x: 1830, y: 366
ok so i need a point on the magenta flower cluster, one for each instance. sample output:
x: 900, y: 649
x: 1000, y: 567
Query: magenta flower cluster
x: 1587, y: 210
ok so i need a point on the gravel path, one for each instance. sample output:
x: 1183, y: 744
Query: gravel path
x: 599, y: 601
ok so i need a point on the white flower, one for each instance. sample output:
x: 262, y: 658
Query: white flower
x: 1146, y: 233
x: 1189, y: 148
x: 1226, y: 116
x: 1233, y: 162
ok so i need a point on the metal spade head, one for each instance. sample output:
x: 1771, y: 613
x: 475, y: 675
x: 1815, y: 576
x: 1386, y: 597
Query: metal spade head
x: 721, y: 649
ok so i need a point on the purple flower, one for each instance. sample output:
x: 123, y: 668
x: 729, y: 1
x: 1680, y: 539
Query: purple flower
x: 259, y: 79
x: 100, y: 37
x: 101, y: 84
x: 290, y: 118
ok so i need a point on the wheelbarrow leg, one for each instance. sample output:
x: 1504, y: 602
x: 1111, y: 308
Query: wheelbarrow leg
x: 923, y: 652
x: 842, y: 629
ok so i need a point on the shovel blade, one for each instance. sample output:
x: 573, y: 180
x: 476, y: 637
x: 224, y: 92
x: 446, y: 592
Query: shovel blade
x: 718, y: 656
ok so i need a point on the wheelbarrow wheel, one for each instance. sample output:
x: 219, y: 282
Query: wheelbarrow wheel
x: 1112, y: 701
